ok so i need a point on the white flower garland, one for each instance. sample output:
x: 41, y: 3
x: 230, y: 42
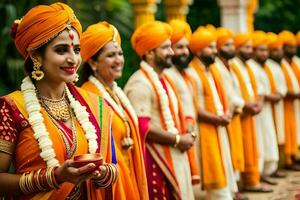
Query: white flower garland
x: 41, y: 133
x: 119, y: 92
x: 164, y: 102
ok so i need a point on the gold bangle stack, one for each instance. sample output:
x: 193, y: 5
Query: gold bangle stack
x: 38, y: 181
x: 109, y: 177
x: 177, y: 140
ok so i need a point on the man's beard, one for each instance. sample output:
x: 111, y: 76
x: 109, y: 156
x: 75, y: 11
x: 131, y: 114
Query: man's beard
x: 245, y: 56
x: 181, y: 61
x: 226, y: 55
x: 163, y: 63
x: 290, y: 55
x: 276, y: 58
x: 207, y: 60
x: 261, y: 60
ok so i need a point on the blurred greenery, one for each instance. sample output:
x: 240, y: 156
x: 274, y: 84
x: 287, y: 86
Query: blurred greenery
x: 273, y: 15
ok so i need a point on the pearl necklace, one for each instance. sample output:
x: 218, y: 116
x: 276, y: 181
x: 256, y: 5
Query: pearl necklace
x: 41, y: 133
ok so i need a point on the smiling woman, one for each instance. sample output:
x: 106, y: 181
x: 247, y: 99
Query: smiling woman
x: 48, y: 122
x: 104, y: 62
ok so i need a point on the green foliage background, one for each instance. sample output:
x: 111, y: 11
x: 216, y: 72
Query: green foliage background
x: 272, y: 15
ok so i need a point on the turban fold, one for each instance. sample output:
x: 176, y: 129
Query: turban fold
x: 150, y: 36
x: 95, y: 37
x: 259, y: 38
x: 241, y: 39
x: 274, y: 41
x: 287, y: 37
x: 180, y: 29
x: 223, y: 35
x: 41, y: 24
x: 298, y: 38
x: 201, y: 38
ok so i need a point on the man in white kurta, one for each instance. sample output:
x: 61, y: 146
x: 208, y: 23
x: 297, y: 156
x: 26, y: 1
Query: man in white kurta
x: 266, y: 132
x: 176, y: 75
x: 203, y: 46
x: 167, y: 164
x: 277, y: 79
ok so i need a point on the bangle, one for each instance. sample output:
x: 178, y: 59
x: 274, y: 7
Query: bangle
x: 193, y: 134
x: 177, y: 140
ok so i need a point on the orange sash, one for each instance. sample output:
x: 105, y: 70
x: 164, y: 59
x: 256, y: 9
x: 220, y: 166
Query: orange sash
x: 27, y: 152
x: 132, y: 183
x: 234, y: 131
x: 213, y: 171
x: 291, y: 146
x: 250, y: 175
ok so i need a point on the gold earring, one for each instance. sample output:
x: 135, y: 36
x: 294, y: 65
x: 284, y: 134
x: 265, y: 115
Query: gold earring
x: 76, y: 78
x: 37, y: 73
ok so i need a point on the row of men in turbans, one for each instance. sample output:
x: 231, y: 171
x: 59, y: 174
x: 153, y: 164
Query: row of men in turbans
x: 231, y: 101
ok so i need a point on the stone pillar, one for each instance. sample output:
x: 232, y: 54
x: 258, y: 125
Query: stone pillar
x: 177, y: 9
x: 238, y: 14
x: 144, y: 11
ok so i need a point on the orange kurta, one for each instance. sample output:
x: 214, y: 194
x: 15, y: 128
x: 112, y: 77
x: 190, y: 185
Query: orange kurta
x: 132, y: 183
x: 251, y: 175
x: 213, y: 171
x: 27, y: 153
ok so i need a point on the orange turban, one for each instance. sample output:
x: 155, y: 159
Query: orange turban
x: 95, y: 37
x: 298, y: 38
x: 274, y: 41
x: 41, y: 24
x: 223, y: 35
x: 201, y: 38
x: 259, y: 38
x: 150, y: 36
x: 180, y: 29
x: 241, y: 39
x: 288, y: 38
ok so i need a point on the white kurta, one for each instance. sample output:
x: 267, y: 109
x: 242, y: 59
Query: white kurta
x: 296, y: 89
x: 224, y: 141
x: 140, y: 93
x: 281, y: 88
x: 266, y: 132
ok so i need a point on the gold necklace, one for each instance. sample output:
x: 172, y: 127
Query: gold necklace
x: 58, y: 109
x: 127, y: 141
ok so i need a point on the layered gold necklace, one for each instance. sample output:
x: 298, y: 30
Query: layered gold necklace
x: 59, y: 109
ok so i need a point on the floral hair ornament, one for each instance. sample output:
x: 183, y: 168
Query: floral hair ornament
x: 114, y: 39
x: 14, y: 28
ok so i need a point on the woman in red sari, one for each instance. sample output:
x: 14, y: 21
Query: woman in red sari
x: 48, y: 122
x: 103, y: 56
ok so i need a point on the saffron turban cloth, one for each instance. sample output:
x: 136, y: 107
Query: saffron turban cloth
x: 150, y: 36
x: 259, y: 38
x: 241, y: 39
x: 181, y: 29
x: 41, y: 24
x: 201, y: 38
x: 298, y: 38
x: 95, y: 37
x: 288, y: 38
x: 274, y: 41
x: 223, y: 35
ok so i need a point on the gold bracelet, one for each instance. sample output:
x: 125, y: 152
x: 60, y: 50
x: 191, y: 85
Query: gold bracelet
x: 177, y: 140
